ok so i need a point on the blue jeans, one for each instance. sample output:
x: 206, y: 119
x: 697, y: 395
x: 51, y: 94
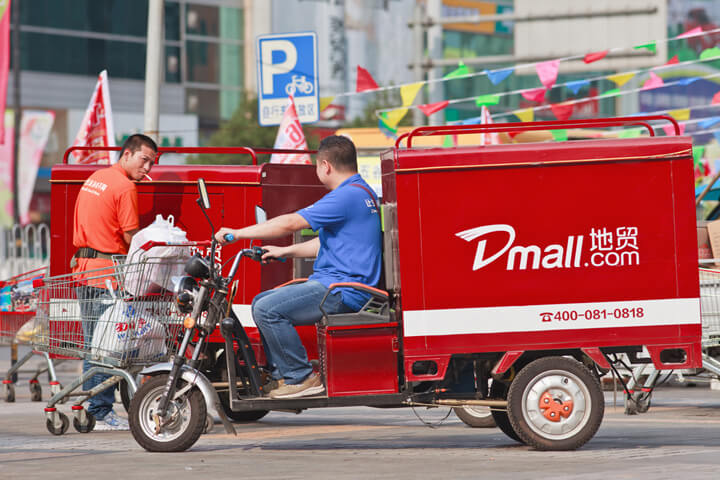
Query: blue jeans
x: 277, y: 312
x: 93, y: 303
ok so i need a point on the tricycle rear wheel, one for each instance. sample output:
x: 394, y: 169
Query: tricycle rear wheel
x: 555, y: 403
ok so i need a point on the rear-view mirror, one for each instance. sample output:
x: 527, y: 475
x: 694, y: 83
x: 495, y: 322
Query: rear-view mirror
x: 260, y: 215
x: 202, y: 190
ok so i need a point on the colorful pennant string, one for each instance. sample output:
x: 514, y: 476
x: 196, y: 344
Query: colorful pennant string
x: 430, y: 108
x: 648, y: 46
x: 709, y: 53
x: 534, y: 95
x: 497, y: 76
x: 621, y: 78
x: 526, y: 115
x: 670, y: 129
x: 325, y: 101
x: 562, y: 111
x: 548, y: 72
x: 487, y: 100
x: 364, y: 81
x: 577, y: 85
x: 680, y: 114
x: 409, y: 92
x: 710, y: 122
x: 691, y: 33
x: 559, y: 135
x: 595, y: 56
x: 461, y: 71
x: 653, y: 82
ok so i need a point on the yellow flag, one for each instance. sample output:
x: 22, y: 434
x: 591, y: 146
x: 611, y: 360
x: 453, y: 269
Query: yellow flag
x: 325, y: 101
x: 394, y: 116
x: 526, y: 115
x: 682, y: 114
x: 409, y: 92
x: 621, y: 78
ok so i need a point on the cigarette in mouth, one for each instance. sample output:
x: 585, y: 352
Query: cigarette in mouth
x: 148, y: 177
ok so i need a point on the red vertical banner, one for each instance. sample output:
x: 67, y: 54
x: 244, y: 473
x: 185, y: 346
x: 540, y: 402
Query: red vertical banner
x: 290, y: 137
x: 96, y: 129
x: 4, y: 60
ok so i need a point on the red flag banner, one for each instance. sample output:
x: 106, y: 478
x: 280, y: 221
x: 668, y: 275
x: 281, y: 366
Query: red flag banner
x: 486, y: 119
x: 290, y: 137
x: 430, y: 108
x: 365, y: 81
x: 96, y: 129
x: 4, y: 60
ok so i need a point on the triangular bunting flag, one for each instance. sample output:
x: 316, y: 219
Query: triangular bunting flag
x: 688, y: 81
x: 534, y: 95
x: 595, y: 56
x: 526, y: 115
x: 458, y: 72
x: 691, y: 33
x: 562, y: 111
x: 709, y: 122
x: 497, y: 76
x: 621, y: 78
x: 653, y: 82
x: 716, y: 98
x: 559, y: 135
x: 393, y: 117
x: 611, y: 93
x: 290, y: 136
x: 385, y: 128
x: 487, y: 100
x: 448, y: 141
x: 716, y: 134
x: 710, y: 53
x: 364, y: 81
x: 673, y: 61
x: 548, y: 72
x: 409, y: 92
x: 325, y: 101
x: 577, y: 85
x: 430, y: 108
x: 649, y: 46
x: 670, y: 129
x: 681, y: 114
x: 698, y: 153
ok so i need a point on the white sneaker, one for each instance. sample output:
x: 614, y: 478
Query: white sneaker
x: 112, y: 422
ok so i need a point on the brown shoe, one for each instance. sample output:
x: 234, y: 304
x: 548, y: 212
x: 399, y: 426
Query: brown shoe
x: 312, y: 385
x: 273, y: 385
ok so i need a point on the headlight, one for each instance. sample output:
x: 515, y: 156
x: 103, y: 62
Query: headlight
x: 185, y: 291
x: 197, y: 267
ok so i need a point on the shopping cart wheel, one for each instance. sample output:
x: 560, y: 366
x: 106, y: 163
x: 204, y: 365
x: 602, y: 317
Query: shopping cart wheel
x: 84, y: 421
x: 59, y: 427
x: 9, y: 392
x: 35, y: 392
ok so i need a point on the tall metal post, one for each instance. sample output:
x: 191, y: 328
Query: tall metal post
x: 15, y: 5
x: 153, y: 67
x: 435, y: 50
x: 418, y: 31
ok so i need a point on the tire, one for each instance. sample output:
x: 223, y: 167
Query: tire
x: 87, y: 426
x: 240, y: 417
x: 475, y: 417
x: 9, y: 393
x: 125, y: 396
x: 500, y: 390
x: 64, y: 424
x: 178, y: 435
x: 574, y: 399
x: 35, y: 392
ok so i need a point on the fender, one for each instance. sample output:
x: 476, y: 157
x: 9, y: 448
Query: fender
x: 199, y: 380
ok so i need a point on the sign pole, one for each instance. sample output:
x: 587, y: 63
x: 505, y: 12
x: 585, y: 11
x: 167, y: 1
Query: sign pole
x: 15, y: 6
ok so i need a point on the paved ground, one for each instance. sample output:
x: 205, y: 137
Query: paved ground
x: 679, y: 437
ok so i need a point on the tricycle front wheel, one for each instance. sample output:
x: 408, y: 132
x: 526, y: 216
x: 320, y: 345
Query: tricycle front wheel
x: 179, y: 429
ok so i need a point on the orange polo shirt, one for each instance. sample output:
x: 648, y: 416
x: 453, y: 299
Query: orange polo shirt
x: 106, y: 207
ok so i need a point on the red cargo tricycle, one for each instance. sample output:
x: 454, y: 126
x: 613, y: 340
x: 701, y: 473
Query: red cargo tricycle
x: 517, y: 301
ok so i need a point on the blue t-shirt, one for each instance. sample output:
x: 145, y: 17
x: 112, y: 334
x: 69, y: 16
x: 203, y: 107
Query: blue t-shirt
x: 350, y: 242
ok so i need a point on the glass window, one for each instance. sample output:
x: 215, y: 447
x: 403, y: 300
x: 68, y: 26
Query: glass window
x: 218, y: 22
x: 172, y: 21
x: 214, y: 63
x: 172, y: 64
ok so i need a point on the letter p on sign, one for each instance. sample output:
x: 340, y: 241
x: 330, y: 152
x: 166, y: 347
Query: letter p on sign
x: 287, y: 65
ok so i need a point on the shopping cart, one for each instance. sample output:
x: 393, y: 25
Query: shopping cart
x: 120, y: 319
x: 21, y: 302
x: 639, y: 401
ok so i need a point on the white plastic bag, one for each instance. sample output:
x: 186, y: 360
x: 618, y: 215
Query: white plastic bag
x: 159, y: 263
x: 129, y: 329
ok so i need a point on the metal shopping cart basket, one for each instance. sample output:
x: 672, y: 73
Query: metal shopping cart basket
x: 119, y: 319
x: 20, y: 303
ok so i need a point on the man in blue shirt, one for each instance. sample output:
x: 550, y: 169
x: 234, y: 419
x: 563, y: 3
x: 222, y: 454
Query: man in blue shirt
x: 348, y: 249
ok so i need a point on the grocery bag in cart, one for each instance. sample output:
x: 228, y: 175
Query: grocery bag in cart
x: 160, y: 262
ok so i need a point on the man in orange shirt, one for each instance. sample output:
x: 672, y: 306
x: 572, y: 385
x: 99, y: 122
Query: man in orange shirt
x: 106, y: 218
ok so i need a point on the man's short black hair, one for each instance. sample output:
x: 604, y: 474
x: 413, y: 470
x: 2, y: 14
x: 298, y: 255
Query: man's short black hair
x: 136, y: 141
x: 340, y: 152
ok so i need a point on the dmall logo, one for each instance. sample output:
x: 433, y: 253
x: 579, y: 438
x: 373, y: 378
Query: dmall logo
x: 607, y: 248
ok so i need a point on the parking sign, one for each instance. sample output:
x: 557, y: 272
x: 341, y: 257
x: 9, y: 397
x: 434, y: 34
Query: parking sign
x: 287, y: 65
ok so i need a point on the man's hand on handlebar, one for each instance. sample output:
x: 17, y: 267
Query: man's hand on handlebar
x: 225, y: 235
x: 274, y: 253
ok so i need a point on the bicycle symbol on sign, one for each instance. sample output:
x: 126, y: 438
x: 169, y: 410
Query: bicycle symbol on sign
x: 299, y: 83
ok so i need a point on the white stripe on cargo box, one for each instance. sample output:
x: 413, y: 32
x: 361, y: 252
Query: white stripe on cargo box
x: 459, y: 321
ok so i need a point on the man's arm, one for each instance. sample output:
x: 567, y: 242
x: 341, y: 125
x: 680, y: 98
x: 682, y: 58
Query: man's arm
x: 300, y: 250
x: 275, y: 227
x: 127, y: 236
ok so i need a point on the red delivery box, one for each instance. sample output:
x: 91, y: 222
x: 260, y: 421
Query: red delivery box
x: 568, y: 245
